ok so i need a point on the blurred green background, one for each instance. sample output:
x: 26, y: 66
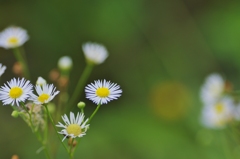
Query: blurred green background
x: 160, y: 53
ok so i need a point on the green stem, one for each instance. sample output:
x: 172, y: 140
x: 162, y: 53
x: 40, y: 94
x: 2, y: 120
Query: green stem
x: 95, y: 111
x: 50, y: 117
x: 46, y: 152
x: 46, y: 127
x: 82, y: 110
x: 23, y: 62
x: 78, y: 141
x: 45, y: 135
x: 30, y: 116
x: 71, y: 149
x: 81, y: 82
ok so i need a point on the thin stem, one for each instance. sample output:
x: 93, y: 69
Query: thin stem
x: 46, y: 127
x: 78, y: 141
x: 30, y: 116
x: 71, y: 149
x: 95, y: 111
x: 82, y: 110
x: 46, y: 152
x: 81, y: 82
x: 45, y: 135
x: 23, y: 61
x: 50, y: 117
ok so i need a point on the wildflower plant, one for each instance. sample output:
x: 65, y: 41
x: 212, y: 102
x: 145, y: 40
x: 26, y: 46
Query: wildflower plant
x: 41, y: 104
x: 220, y: 112
x: 219, y: 105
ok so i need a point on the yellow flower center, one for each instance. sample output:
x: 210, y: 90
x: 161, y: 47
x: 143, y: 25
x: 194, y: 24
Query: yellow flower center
x: 219, y: 107
x: 102, y: 92
x: 43, y: 97
x: 15, y: 92
x: 74, y: 129
x: 13, y: 40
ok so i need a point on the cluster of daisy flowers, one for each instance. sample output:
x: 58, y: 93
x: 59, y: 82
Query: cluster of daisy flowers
x: 29, y: 101
x: 17, y: 91
x: 219, y: 106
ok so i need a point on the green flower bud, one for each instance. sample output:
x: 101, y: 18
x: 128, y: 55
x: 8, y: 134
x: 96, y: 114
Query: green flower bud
x: 81, y: 105
x: 15, y: 114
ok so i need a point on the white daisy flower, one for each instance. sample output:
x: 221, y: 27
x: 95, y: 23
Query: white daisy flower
x: 45, y: 93
x: 15, y: 91
x: 217, y: 115
x: 75, y: 127
x: 41, y: 81
x: 2, y: 69
x: 95, y: 53
x: 13, y: 37
x: 101, y: 92
x: 212, y: 89
x: 65, y: 63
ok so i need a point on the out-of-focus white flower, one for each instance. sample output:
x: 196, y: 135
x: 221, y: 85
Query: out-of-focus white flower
x: 45, y: 94
x: 13, y: 37
x: 217, y: 115
x: 75, y: 127
x: 102, y: 92
x: 15, y: 91
x: 95, y: 53
x: 2, y: 69
x: 65, y: 63
x: 212, y: 89
x: 41, y: 81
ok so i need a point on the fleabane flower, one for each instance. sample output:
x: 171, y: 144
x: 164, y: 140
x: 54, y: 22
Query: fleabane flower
x: 212, y: 89
x: 15, y: 91
x: 2, y: 69
x: 13, y: 37
x: 102, y: 92
x: 75, y: 127
x: 41, y: 81
x: 45, y: 93
x: 65, y: 63
x: 217, y: 115
x: 95, y: 53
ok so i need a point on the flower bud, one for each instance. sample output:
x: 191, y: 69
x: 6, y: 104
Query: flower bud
x: 17, y: 68
x: 65, y: 63
x: 54, y: 75
x: 41, y: 81
x: 15, y: 114
x: 71, y: 142
x: 81, y: 105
